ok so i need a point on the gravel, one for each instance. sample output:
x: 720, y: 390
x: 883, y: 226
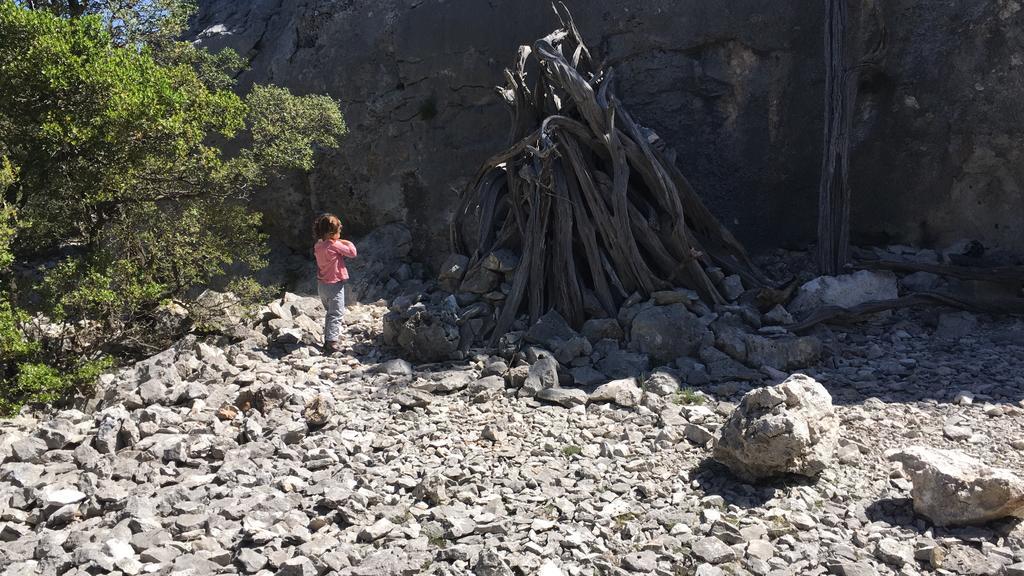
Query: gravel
x: 217, y: 458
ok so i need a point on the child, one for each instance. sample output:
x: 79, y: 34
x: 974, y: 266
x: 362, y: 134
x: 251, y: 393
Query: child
x: 331, y: 252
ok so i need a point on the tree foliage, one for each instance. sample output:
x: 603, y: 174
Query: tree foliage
x: 137, y: 23
x: 113, y: 168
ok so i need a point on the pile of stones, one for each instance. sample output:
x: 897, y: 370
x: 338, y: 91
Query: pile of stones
x: 616, y: 449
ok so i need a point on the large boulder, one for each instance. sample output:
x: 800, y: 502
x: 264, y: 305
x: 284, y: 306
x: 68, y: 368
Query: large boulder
x: 952, y: 488
x: 623, y: 392
x: 782, y: 353
x: 550, y: 331
x: 622, y: 364
x: 847, y: 291
x: 542, y: 375
x: 554, y: 333
x: 667, y: 332
x: 786, y: 429
x: 220, y: 312
x: 427, y: 336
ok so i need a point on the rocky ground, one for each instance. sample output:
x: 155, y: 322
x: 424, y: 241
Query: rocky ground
x: 216, y: 458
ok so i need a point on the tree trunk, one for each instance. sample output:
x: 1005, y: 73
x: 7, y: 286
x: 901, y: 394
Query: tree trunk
x: 833, y: 189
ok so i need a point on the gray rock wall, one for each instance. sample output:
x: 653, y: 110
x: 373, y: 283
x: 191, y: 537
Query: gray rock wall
x: 735, y: 86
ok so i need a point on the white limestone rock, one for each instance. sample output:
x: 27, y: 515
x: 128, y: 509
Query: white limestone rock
x: 786, y: 429
x: 954, y: 489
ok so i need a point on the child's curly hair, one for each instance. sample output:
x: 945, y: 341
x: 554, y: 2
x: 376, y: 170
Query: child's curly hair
x: 326, y: 225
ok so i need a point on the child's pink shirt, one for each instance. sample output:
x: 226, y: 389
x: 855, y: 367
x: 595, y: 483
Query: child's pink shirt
x: 330, y: 260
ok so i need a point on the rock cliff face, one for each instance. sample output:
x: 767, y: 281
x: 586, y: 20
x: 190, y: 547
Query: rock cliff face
x: 736, y: 87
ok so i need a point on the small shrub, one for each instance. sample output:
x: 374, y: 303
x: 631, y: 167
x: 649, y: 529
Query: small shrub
x: 571, y: 450
x: 38, y: 383
x: 688, y: 397
x: 622, y: 519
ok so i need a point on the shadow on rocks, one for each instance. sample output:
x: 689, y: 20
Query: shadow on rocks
x: 717, y: 480
x: 896, y: 512
x: 900, y: 512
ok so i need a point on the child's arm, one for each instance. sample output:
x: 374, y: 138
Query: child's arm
x: 346, y: 249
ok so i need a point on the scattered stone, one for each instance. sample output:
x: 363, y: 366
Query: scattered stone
x: 783, y: 353
x: 623, y: 364
x: 970, y: 561
x: 847, y: 291
x: 1015, y: 569
x: 427, y: 336
x: 566, y: 397
x: 719, y: 367
x: 713, y: 550
x: 597, y: 329
x: 951, y: 488
x: 853, y: 569
x: 480, y: 280
x: 493, y: 433
x: 667, y: 332
x: 413, y: 398
x: 250, y: 561
x: 542, y: 375
x: 490, y: 563
x: 28, y: 449
x: 453, y: 271
x: 317, y: 412
x: 954, y: 432
x: 732, y: 287
x: 644, y: 562
x: 587, y: 376
x: 297, y: 566
x: 549, y: 568
x: 64, y: 497
x: 623, y: 392
x: 378, y: 530
x: 698, y: 434
x: 894, y: 552
x: 550, y: 331
x: 760, y: 549
x: 59, y: 433
x: 778, y: 316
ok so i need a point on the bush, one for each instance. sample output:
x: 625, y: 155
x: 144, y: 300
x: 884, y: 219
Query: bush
x: 113, y: 139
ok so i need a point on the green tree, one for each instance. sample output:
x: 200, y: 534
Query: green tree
x: 113, y: 138
x: 138, y: 23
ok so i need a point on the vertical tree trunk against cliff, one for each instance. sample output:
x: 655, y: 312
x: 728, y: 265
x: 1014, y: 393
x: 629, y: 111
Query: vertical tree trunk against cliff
x: 834, y: 191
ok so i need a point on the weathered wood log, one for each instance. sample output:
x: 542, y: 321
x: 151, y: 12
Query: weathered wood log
x: 833, y: 189
x: 996, y: 274
x: 841, y: 315
x: 841, y: 82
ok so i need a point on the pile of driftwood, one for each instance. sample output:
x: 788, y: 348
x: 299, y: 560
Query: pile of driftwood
x: 592, y: 202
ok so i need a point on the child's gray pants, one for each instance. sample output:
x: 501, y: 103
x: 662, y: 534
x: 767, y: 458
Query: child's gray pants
x: 333, y: 297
